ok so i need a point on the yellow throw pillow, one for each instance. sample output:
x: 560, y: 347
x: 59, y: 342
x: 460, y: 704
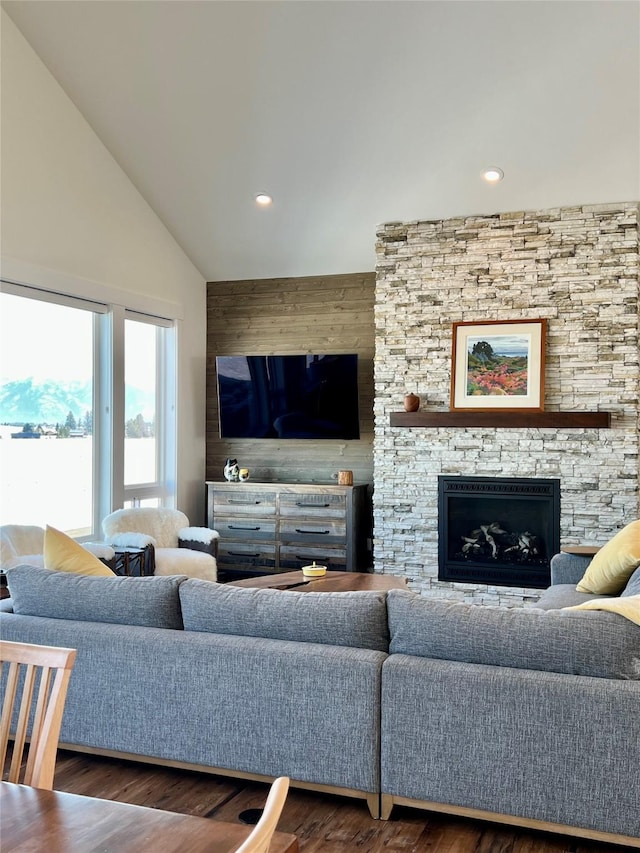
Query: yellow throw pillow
x: 614, y: 563
x: 628, y: 607
x: 64, y: 554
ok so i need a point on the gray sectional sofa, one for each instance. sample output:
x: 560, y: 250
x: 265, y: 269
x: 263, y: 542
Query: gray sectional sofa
x: 529, y: 716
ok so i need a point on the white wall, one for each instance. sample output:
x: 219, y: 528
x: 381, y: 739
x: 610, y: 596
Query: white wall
x: 72, y: 221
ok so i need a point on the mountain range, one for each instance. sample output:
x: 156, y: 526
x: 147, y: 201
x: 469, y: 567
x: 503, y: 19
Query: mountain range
x: 49, y: 402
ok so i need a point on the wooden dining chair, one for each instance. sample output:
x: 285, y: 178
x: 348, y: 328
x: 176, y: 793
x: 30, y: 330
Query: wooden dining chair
x: 262, y: 833
x: 31, y: 667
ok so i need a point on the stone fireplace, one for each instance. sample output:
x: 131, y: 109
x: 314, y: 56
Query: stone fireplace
x: 497, y: 530
x: 577, y: 267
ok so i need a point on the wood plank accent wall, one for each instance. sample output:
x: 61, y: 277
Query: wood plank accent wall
x: 330, y: 314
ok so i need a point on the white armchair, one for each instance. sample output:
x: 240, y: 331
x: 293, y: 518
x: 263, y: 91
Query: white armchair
x: 24, y: 543
x: 180, y: 549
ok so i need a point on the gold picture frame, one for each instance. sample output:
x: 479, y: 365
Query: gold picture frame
x: 498, y: 365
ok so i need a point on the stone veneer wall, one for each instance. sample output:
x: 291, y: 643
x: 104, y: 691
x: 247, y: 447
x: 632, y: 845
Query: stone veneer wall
x: 576, y: 266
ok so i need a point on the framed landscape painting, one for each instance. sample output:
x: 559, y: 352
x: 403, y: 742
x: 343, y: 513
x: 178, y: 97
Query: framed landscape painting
x: 498, y: 364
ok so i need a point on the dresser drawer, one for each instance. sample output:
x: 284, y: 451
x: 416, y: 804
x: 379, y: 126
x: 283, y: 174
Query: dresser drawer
x: 320, y: 531
x: 301, y: 505
x: 245, y: 529
x: 293, y: 558
x: 243, y: 502
x: 246, y: 555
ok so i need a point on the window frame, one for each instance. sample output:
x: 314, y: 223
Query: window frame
x: 164, y: 487
x: 108, y: 488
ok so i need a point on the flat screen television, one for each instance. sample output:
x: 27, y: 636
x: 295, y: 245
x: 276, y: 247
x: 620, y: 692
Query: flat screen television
x: 288, y: 396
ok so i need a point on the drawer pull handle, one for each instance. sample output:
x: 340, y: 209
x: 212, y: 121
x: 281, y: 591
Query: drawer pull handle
x: 239, y: 527
x: 313, y: 506
x: 313, y: 532
x: 238, y: 554
x: 232, y: 501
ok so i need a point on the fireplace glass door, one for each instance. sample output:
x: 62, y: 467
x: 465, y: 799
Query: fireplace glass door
x: 497, y: 530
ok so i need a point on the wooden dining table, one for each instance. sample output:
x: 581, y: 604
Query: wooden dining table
x: 39, y: 821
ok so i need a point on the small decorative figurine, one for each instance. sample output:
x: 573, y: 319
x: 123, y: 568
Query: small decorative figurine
x: 232, y: 471
x: 243, y: 475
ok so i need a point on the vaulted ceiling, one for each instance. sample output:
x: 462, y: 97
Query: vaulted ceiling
x: 349, y: 114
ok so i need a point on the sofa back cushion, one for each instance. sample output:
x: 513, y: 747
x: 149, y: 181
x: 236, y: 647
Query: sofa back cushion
x: 602, y: 645
x: 151, y: 602
x: 354, y: 619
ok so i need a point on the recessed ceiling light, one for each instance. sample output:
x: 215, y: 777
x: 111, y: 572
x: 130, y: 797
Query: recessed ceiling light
x: 263, y: 199
x: 493, y: 174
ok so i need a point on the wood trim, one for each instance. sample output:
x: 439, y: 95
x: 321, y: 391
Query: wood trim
x: 389, y: 800
x: 372, y: 798
x: 501, y: 419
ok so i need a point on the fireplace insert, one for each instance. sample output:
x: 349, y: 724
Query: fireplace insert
x: 500, y: 531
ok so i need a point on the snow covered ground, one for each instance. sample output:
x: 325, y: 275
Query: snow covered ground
x: 48, y: 480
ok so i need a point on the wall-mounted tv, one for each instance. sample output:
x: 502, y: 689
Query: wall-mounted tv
x: 288, y: 396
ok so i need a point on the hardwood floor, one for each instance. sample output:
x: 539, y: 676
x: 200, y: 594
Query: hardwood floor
x: 322, y: 822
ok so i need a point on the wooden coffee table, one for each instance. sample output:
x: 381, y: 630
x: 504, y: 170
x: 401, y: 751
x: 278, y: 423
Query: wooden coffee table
x: 331, y: 582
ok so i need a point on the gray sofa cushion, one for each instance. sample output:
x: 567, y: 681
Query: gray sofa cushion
x: 633, y: 584
x: 563, y: 595
x: 150, y: 602
x: 602, y: 645
x: 355, y: 619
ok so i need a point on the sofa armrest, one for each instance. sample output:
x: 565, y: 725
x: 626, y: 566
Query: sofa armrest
x: 199, y: 539
x: 568, y: 568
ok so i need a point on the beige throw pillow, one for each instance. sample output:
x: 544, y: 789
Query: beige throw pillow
x: 614, y: 563
x: 628, y: 607
x: 64, y: 554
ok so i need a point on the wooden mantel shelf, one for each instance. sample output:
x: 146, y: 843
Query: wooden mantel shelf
x: 504, y: 420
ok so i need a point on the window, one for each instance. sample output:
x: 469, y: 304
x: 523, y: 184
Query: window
x: 67, y: 366
x: 148, y: 407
